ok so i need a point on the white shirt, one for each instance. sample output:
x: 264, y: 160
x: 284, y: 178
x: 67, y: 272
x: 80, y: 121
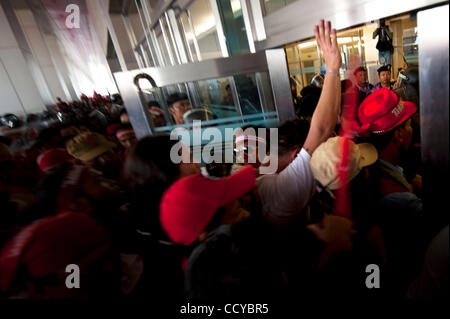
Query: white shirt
x: 286, y: 194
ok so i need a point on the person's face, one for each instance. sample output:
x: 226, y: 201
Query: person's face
x: 361, y: 77
x: 128, y: 140
x: 178, y: 109
x: 385, y: 78
x: 124, y: 119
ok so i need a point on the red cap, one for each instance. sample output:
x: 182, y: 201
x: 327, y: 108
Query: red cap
x: 51, y: 243
x: 382, y: 111
x: 189, y: 204
x: 52, y: 158
x: 111, y: 129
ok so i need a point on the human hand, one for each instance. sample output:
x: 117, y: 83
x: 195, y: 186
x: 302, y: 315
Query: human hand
x: 327, y: 40
x: 335, y: 231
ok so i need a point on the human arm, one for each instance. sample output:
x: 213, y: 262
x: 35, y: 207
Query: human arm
x: 375, y: 33
x: 325, y: 116
x: 336, y: 232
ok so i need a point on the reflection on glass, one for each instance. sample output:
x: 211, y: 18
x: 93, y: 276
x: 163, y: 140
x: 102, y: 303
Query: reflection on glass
x: 248, y: 94
x: 216, y: 103
x: 200, y: 31
x: 135, y: 21
x: 270, y: 6
x: 217, y: 96
x: 189, y: 40
x: 233, y: 26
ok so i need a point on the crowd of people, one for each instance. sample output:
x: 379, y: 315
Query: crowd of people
x: 86, y: 191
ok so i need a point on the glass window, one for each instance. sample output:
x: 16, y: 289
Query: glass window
x: 202, y: 29
x: 270, y: 6
x: 233, y: 26
x: 135, y: 21
x: 217, y: 98
x: 189, y: 40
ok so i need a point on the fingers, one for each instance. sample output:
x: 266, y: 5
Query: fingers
x: 325, y: 36
x: 316, y: 230
x: 327, y: 33
x: 316, y: 33
x: 334, y: 43
x: 322, y: 32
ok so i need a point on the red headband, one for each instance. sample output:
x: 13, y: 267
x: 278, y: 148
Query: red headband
x: 123, y: 132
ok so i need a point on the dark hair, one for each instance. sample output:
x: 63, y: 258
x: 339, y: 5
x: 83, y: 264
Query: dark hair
x: 32, y: 118
x: 346, y: 84
x: 175, y: 97
x: 123, y: 111
x: 48, y: 189
x: 5, y: 140
x: 123, y: 127
x: 292, y: 135
x: 309, y: 100
x: 359, y: 69
x: 50, y: 136
x: 148, y: 172
x: 381, y: 141
x: 383, y: 68
x: 116, y: 98
x: 153, y: 103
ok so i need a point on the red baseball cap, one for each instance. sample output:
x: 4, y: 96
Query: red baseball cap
x: 52, y: 158
x: 52, y: 243
x: 382, y: 111
x: 189, y: 204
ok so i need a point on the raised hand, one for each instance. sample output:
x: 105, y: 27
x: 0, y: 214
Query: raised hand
x: 335, y: 231
x: 327, y: 40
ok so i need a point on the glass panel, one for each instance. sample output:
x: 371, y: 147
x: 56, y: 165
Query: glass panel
x: 248, y: 94
x: 216, y: 100
x: 270, y: 6
x: 217, y: 96
x: 204, y: 26
x: 233, y: 26
x: 188, y: 37
x: 135, y: 21
x: 358, y: 47
x: 162, y: 46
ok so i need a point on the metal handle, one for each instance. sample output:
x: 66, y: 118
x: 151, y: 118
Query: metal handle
x: 143, y: 76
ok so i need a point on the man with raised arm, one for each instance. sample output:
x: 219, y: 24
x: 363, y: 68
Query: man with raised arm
x: 286, y: 194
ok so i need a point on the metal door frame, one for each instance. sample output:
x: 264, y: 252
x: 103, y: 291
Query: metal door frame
x: 272, y: 61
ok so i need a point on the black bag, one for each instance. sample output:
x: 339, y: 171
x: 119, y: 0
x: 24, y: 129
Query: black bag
x: 384, y: 42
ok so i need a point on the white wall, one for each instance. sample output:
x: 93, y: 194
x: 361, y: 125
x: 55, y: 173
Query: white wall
x: 18, y: 91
